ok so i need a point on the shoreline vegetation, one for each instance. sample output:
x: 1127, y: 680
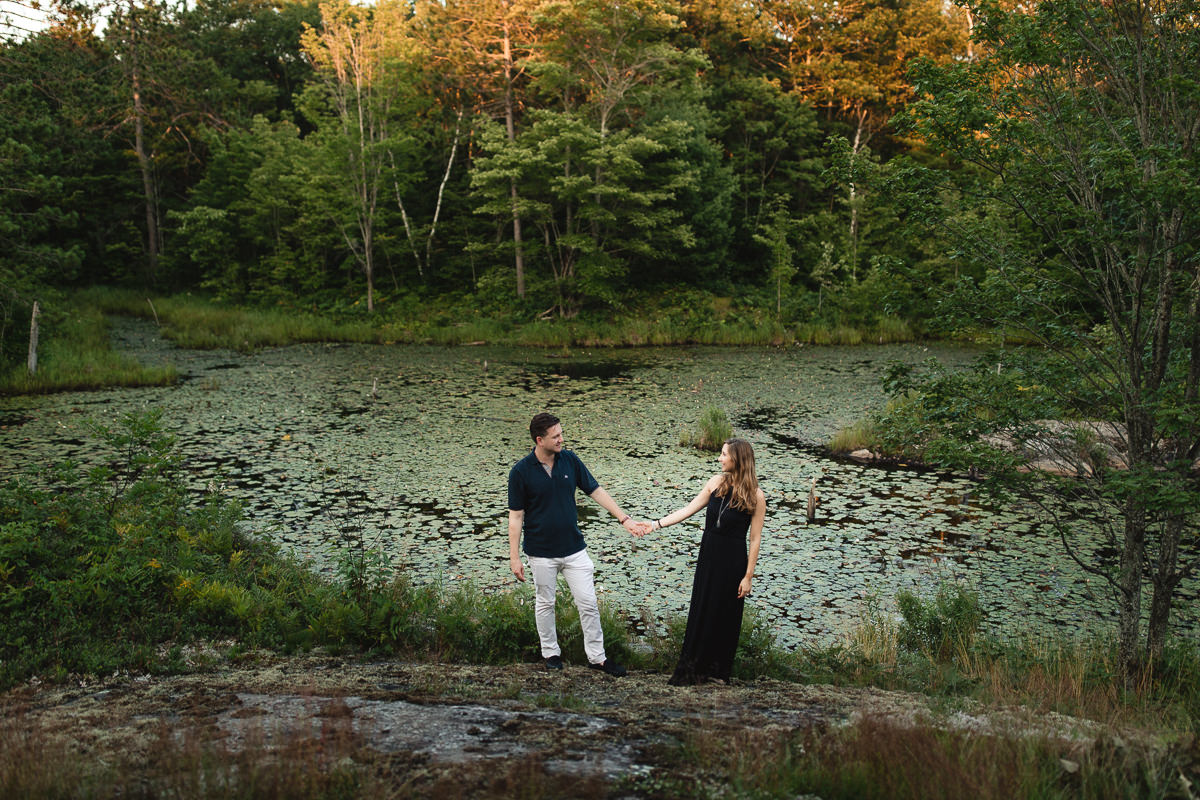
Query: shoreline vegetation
x: 119, y: 570
x: 76, y: 353
x: 192, y: 321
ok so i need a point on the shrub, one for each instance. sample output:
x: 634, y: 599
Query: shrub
x: 97, y: 570
x: 941, y: 625
x: 758, y: 655
x: 711, y: 432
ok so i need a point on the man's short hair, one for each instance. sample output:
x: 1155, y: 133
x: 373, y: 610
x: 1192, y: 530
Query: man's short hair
x: 540, y: 424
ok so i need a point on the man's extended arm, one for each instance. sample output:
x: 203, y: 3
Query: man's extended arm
x: 515, y: 520
x: 608, y: 504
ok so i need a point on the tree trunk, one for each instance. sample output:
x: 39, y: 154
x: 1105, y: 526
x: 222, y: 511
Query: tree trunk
x: 437, y: 208
x: 858, y: 131
x: 1133, y: 546
x: 510, y: 127
x: 1165, y: 581
x: 1129, y: 593
x: 139, y: 147
x: 369, y: 268
x: 412, y: 242
x: 33, y: 338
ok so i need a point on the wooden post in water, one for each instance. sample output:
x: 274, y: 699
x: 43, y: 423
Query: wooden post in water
x: 811, y: 512
x: 33, y: 337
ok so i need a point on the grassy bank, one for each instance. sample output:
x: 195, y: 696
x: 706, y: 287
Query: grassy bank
x: 75, y: 353
x: 196, y: 322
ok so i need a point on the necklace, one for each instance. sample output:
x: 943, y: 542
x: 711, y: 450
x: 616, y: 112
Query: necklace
x: 721, y: 511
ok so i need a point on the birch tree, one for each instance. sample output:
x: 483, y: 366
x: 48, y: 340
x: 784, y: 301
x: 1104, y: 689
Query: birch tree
x: 356, y: 52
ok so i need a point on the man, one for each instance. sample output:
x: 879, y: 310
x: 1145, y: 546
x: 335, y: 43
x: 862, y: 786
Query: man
x: 541, y: 500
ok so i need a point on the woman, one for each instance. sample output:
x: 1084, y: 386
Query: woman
x: 724, y: 570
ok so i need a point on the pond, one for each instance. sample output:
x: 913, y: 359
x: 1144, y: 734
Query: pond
x: 407, y: 449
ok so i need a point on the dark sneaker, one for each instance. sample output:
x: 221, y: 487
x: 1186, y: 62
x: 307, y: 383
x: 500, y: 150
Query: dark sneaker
x: 610, y: 667
x: 554, y: 662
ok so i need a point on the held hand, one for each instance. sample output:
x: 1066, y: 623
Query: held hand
x: 517, y: 568
x: 744, y: 588
x: 634, y: 527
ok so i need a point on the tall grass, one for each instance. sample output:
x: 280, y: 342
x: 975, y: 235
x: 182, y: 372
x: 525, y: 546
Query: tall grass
x: 712, y: 431
x: 75, y: 353
x: 332, y: 763
x: 898, y: 759
x: 196, y: 322
x: 868, y: 432
x: 935, y: 645
x: 187, y: 767
x: 861, y: 435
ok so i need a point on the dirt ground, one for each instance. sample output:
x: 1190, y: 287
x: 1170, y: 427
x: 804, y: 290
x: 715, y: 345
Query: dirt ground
x: 448, y: 725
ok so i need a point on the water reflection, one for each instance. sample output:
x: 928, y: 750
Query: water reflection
x: 408, y: 448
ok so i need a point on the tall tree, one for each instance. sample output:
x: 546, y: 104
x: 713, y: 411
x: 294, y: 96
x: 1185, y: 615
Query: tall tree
x: 604, y: 176
x: 849, y: 59
x: 357, y: 52
x: 136, y: 21
x: 1081, y: 120
x: 256, y: 43
x: 483, y: 45
x: 171, y: 99
x: 66, y: 192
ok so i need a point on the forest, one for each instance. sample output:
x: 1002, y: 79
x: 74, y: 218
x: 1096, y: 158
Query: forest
x: 513, y: 158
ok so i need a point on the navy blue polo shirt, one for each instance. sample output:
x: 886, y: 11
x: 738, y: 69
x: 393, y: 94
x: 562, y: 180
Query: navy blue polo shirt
x: 551, y: 521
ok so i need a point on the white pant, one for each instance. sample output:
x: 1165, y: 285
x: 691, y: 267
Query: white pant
x: 577, y: 569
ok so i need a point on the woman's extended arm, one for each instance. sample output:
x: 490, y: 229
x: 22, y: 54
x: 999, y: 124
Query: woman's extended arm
x: 756, y: 526
x: 699, y: 502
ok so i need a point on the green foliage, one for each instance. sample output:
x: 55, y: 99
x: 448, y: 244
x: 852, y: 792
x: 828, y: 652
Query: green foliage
x: 651, y: 151
x: 64, y: 196
x: 75, y: 352
x: 758, y: 655
x: 712, y: 431
x: 941, y: 625
x: 1074, y: 165
x: 776, y: 232
x: 106, y: 553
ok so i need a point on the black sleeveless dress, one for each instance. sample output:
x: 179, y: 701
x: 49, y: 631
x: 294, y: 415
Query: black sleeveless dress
x: 715, y: 616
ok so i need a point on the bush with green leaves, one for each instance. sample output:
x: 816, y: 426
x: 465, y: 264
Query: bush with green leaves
x: 98, y: 569
x: 940, y: 625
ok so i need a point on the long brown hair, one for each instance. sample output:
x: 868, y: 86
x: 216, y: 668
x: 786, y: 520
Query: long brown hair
x: 740, y: 484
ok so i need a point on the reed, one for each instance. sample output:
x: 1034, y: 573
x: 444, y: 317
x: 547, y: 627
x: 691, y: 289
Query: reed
x: 892, y: 330
x: 712, y: 431
x: 861, y: 435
